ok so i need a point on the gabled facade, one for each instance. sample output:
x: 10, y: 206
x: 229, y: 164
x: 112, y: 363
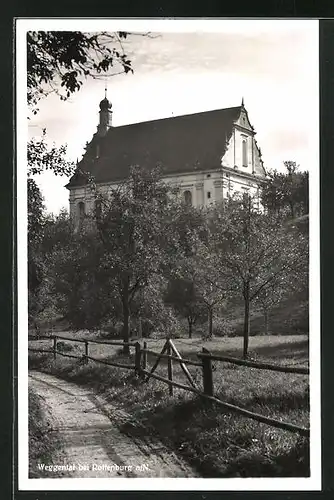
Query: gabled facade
x: 209, y: 156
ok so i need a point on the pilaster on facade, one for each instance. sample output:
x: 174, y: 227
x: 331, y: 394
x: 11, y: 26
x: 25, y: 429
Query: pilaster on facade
x: 218, y: 189
x: 199, y: 198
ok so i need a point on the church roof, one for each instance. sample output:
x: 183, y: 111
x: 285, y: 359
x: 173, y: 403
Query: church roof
x: 180, y: 144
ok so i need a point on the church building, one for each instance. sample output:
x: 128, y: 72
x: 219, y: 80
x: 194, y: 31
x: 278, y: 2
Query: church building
x: 209, y: 155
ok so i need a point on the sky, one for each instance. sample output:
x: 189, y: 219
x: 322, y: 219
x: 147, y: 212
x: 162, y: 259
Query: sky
x: 189, y: 67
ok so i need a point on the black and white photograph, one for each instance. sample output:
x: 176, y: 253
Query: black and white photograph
x: 168, y: 254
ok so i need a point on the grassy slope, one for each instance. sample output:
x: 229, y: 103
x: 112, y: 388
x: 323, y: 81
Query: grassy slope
x: 290, y: 316
x: 216, y: 442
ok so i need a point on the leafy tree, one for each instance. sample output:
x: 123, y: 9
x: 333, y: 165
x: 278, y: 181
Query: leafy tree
x: 270, y: 296
x: 117, y: 252
x: 41, y: 157
x: 35, y: 213
x: 254, y: 251
x: 132, y: 230
x: 35, y: 260
x: 185, y: 299
x: 58, y: 61
x: 82, y: 289
x: 197, y: 265
x: 45, y: 233
x: 287, y: 191
x: 153, y: 314
x: 211, y: 285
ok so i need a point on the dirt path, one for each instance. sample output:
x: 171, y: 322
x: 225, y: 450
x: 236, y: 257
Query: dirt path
x: 93, y: 443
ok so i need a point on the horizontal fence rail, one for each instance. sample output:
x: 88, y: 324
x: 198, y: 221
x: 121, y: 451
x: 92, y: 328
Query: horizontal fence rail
x: 255, y: 364
x: 39, y: 337
x: 111, y: 363
x: 68, y: 355
x: 93, y: 341
x: 173, y: 383
x: 83, y: 357
x: 303, y: 431
x: 39, y: 350
x: 175, y: 358
x: 236, y: 409
x: 82, y: 341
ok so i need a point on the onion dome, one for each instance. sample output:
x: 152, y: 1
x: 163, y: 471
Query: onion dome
x: 105, y: 104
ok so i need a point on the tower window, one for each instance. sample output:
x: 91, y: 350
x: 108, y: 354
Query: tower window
x: 244, y: 153
x: 208, y: 194
x: 208, y: 176
x: 81, y: 213
x: 81, y: 206
x: 97, y: 209
x: 187, y: 197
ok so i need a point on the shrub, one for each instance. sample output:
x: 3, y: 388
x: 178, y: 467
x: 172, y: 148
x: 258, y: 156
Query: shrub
x: 222, y: 327
x: 64, y: 346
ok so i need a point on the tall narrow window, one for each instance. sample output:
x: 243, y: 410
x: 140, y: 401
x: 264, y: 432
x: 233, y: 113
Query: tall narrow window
x: 80, y: 214
x: 246, y: 199
x: 187, y: 198
x: 244, y: 153
x: 81, y: 206
x: 98, y: 209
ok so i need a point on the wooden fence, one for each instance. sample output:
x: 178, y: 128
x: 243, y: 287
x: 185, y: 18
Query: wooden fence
x: 84, y: 358
x: 170, y: 352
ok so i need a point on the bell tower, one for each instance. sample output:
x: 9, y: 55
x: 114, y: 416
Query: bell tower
x: 105, y: 116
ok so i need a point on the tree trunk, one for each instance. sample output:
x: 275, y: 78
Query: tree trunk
x: 126, y: 326
x: 210, y: 321
x: 140, y: 328
x: 246, y: 322
x: 190, y: 328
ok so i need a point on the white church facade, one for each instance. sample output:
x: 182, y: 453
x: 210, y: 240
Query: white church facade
x: 209, y: 156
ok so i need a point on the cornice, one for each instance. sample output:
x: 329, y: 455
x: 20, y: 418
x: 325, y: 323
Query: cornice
x: 246, y: 175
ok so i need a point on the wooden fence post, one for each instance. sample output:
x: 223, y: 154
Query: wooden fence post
x: 145, y: 356
x: 140, y: 329
x: 54, y: 347
x: 86, y: 351
x: 170, y: 370
x: 207, y: 373
x: 138, y: 359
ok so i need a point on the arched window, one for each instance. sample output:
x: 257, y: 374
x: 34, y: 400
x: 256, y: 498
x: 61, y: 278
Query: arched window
x: 187, y: 198
x: 244, y: 153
